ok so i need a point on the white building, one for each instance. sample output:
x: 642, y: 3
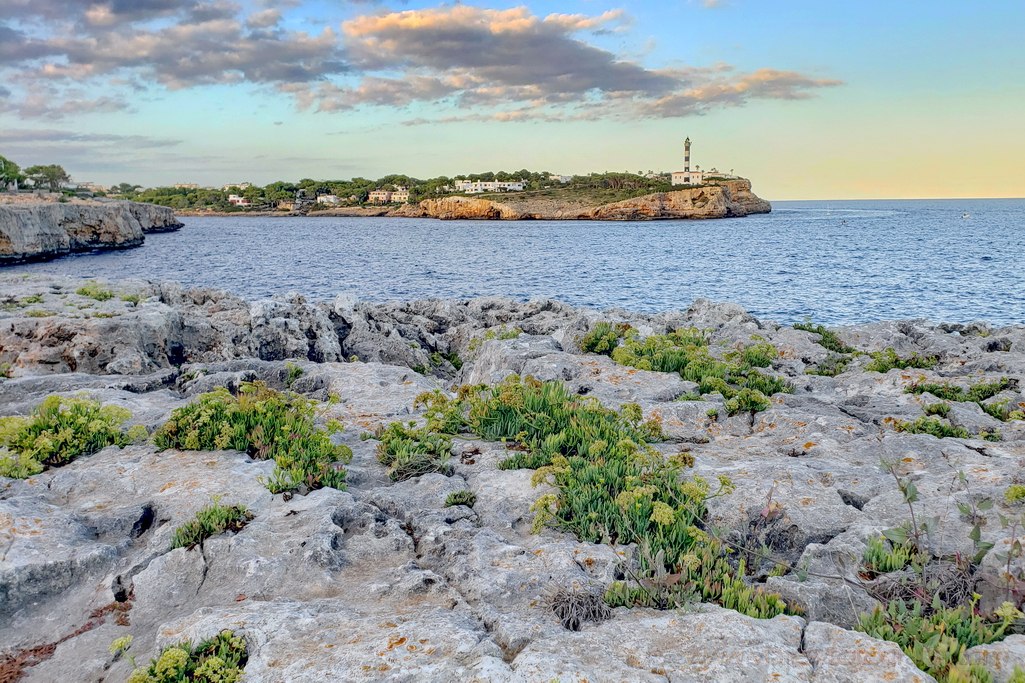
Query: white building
x: 379, y: 197
x: 328, y: 199
x: 239, y: 186
x: 237, y: 200
x: 401, y: 196
x: 560, y: 178
x: 479, y: 186
x: 187, y: 186
x: 687, y: 176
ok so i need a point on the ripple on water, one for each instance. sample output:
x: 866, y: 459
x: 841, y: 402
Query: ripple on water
x: 835, y: 262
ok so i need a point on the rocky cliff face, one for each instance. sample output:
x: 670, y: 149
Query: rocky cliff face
x: 44, y: 230
x: 384, y: 581
x: 721, y: 200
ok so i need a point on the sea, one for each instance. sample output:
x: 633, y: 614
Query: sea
x: 831, y: 262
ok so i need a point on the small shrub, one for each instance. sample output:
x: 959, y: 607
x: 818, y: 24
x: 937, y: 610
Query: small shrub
x: 32, y: 299
x: 713, y: 414
x: 748, y: 401
x: 220, y: 659
x: 603, y: 338
x: 294, y: 373
x: 133, y: 299
x: 940, y: 409
x: 886, y: 360
x: 685, y: 351
x: 59, y: 430
x: 759, y: 355
x: 833, y: 365
x: 212, y: 520
x: 94, y: 290
x: 932, y: 425
x: 976, y: 393
x: 266, y: 424
x: 827, y: 339
x: 936, y: 638
x: 1003, y: 411
x: 39, y: 313
x: 575, y: 606
x: 409, y: 451
x: 1015, y: 493
x: 493, y: 333
x: 465, y: 497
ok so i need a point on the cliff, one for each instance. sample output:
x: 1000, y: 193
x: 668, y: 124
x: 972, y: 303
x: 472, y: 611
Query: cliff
x: 40, y: 230
x: 724, y: 199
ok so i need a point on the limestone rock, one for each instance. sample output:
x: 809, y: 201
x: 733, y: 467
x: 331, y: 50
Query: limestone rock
x: 46, y: 230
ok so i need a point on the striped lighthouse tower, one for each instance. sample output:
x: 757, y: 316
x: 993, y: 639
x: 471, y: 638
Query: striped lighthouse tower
x: 686, y: 155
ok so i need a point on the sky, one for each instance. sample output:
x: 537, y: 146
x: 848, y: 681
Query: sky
x: 809, y: 99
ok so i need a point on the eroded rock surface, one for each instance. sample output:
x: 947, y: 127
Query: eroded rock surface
x: 383, y: 581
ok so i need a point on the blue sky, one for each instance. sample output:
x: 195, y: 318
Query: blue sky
x: 809, y: 100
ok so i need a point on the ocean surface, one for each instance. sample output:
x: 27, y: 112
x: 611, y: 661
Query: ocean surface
x: 833, y: 262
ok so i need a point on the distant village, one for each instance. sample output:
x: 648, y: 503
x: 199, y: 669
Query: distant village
x: 310, y: 195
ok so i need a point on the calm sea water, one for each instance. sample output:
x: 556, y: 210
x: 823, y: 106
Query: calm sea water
x: 836, y: 262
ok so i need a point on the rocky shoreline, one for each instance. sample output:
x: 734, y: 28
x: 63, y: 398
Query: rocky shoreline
x: 39, y: 228
x: 723, y: 199
x: 384, y: 581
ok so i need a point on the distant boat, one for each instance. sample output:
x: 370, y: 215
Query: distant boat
x: 966, y: 215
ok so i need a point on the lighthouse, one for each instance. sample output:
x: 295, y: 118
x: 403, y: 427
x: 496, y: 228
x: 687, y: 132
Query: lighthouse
x: 686, y: 155
x: 687, y: 176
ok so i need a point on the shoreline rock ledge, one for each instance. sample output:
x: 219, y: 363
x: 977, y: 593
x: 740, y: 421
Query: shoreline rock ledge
x: 40, y: 230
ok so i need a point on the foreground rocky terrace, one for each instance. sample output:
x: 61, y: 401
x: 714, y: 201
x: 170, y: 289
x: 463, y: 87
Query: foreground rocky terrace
x: 383, y: 581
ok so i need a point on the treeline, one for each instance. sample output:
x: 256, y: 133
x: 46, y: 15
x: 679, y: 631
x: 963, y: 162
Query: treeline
x: 355, y: 191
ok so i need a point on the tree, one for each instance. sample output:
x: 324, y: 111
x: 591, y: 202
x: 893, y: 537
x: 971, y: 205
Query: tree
x: 10, y: 173
x: 52, y: 176
x: 125, y: 188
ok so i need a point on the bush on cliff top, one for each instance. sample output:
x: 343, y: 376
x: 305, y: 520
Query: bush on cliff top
x: 59, y: 430
x: 266, y: 424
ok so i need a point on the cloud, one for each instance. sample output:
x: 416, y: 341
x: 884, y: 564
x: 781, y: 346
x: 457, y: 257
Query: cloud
x: 471, y: 63
x: 512, y: 65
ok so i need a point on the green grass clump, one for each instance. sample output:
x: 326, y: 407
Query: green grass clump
x: 465, y: 497
x: 133, y: 299
x: 93, y: 290
x: 886, y: 360
x: 603, y: 338
x: 32, y: 299
x: 409, y: 451
x: 685, y: 351
x: 939, y: 409
x: 493, y: 333
x: 882, y: 557
x: 39, y: 313
x: 936, y: 638
x: 212, y: 520
x: 833, y: 365
x: 1003, y: 411
x: 266, y: 424
x: 611, y: 485
x: 220, y: 659
x: 827, y: 339
x: 975, y: 393
x: 932, y: 425
x: 59, y: 430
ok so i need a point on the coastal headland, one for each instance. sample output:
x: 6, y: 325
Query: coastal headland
x: 395, y: 529
x: 38, y: 227
x: 715, y: 199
